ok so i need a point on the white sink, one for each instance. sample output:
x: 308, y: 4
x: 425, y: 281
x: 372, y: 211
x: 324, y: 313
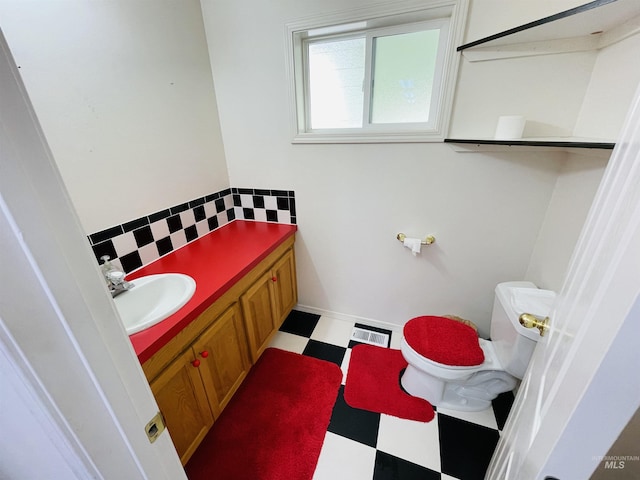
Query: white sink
x: 152, y: 299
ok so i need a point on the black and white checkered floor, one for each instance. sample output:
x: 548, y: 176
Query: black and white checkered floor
x: 361, y: 445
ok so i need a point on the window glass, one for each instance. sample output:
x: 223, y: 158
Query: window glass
x: 403, y: 77
x: 383, y: 73
x: 336, y: 73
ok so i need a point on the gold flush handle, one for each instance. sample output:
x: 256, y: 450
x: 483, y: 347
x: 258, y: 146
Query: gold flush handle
x: 528, y: 320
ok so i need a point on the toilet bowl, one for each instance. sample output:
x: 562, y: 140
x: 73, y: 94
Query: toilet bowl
x: 449, y: 366
x: 468, y: 388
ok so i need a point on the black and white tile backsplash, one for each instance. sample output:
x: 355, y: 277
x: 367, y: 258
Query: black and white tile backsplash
x: 141, y: 241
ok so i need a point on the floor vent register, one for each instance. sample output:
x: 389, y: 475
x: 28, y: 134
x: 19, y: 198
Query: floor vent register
x: 367, y: 336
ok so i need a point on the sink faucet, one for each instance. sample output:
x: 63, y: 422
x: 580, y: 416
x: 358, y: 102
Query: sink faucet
x: 114, y: 277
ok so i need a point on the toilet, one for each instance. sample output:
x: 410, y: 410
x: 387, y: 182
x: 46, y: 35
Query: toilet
x: 449, y: 366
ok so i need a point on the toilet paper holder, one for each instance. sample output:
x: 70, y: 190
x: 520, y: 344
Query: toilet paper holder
x: 427, y: 241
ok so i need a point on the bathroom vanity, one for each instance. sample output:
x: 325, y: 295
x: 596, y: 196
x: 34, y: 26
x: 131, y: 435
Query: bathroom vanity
x: 196, y: 359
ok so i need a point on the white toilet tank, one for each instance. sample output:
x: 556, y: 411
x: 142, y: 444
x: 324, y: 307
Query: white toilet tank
x: 512, y: 342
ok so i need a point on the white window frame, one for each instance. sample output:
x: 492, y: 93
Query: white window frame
x: 371, y: 22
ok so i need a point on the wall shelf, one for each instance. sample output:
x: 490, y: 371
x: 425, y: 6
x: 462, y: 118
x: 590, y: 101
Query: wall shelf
x: 588, y: 27
x: 534, y: 142
x: 592, y: 19
x: 582, y: 147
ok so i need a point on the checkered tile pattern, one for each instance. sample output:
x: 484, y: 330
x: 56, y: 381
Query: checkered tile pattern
x: 141, y: 241
x: 265, y: 205
x: 361, y: 445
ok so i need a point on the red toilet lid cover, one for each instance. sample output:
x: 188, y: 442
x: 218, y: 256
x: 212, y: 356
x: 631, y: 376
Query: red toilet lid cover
x: 444, y: 340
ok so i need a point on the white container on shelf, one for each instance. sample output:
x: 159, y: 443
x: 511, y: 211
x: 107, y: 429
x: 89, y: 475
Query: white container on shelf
x: 509, y: 127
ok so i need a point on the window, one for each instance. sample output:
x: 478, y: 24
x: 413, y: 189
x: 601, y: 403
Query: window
x: 385, y: 78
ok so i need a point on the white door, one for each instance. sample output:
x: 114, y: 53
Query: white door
x: 79, y: 401
x: 582, y: 385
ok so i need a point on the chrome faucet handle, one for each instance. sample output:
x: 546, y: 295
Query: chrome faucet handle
x: 116, y: 277
x: 116, y: 282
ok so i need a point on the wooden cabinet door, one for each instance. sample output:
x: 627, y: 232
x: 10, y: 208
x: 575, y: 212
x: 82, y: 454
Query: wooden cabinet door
x: 285, y: 286
x: 222, y: 350
x: 258, y: 308
x: 183, y: 402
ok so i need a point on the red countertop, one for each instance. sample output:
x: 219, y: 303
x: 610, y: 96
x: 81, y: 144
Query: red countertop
x: 216, y: 262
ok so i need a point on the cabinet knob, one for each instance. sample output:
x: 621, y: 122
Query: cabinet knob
x: 196, y: 363
x: 204, y: 354
x: 275, y: 279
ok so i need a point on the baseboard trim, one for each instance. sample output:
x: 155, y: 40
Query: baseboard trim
x: 349, y: 318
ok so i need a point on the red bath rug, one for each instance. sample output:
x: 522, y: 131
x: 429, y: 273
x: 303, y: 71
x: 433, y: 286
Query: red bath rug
x: 373, y: 384
x: 274, y: 426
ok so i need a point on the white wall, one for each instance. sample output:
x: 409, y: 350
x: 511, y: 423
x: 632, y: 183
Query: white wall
x: 484, y: 209
x: 491, y: 16
x: 489, y: 89
x: 572, y: 197
x: 112, y: 65
x: 613, y: 84
x: 125, y: 96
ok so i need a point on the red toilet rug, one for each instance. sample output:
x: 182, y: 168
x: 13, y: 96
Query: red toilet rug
x: 373, y: 384
x: 444, y: 340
